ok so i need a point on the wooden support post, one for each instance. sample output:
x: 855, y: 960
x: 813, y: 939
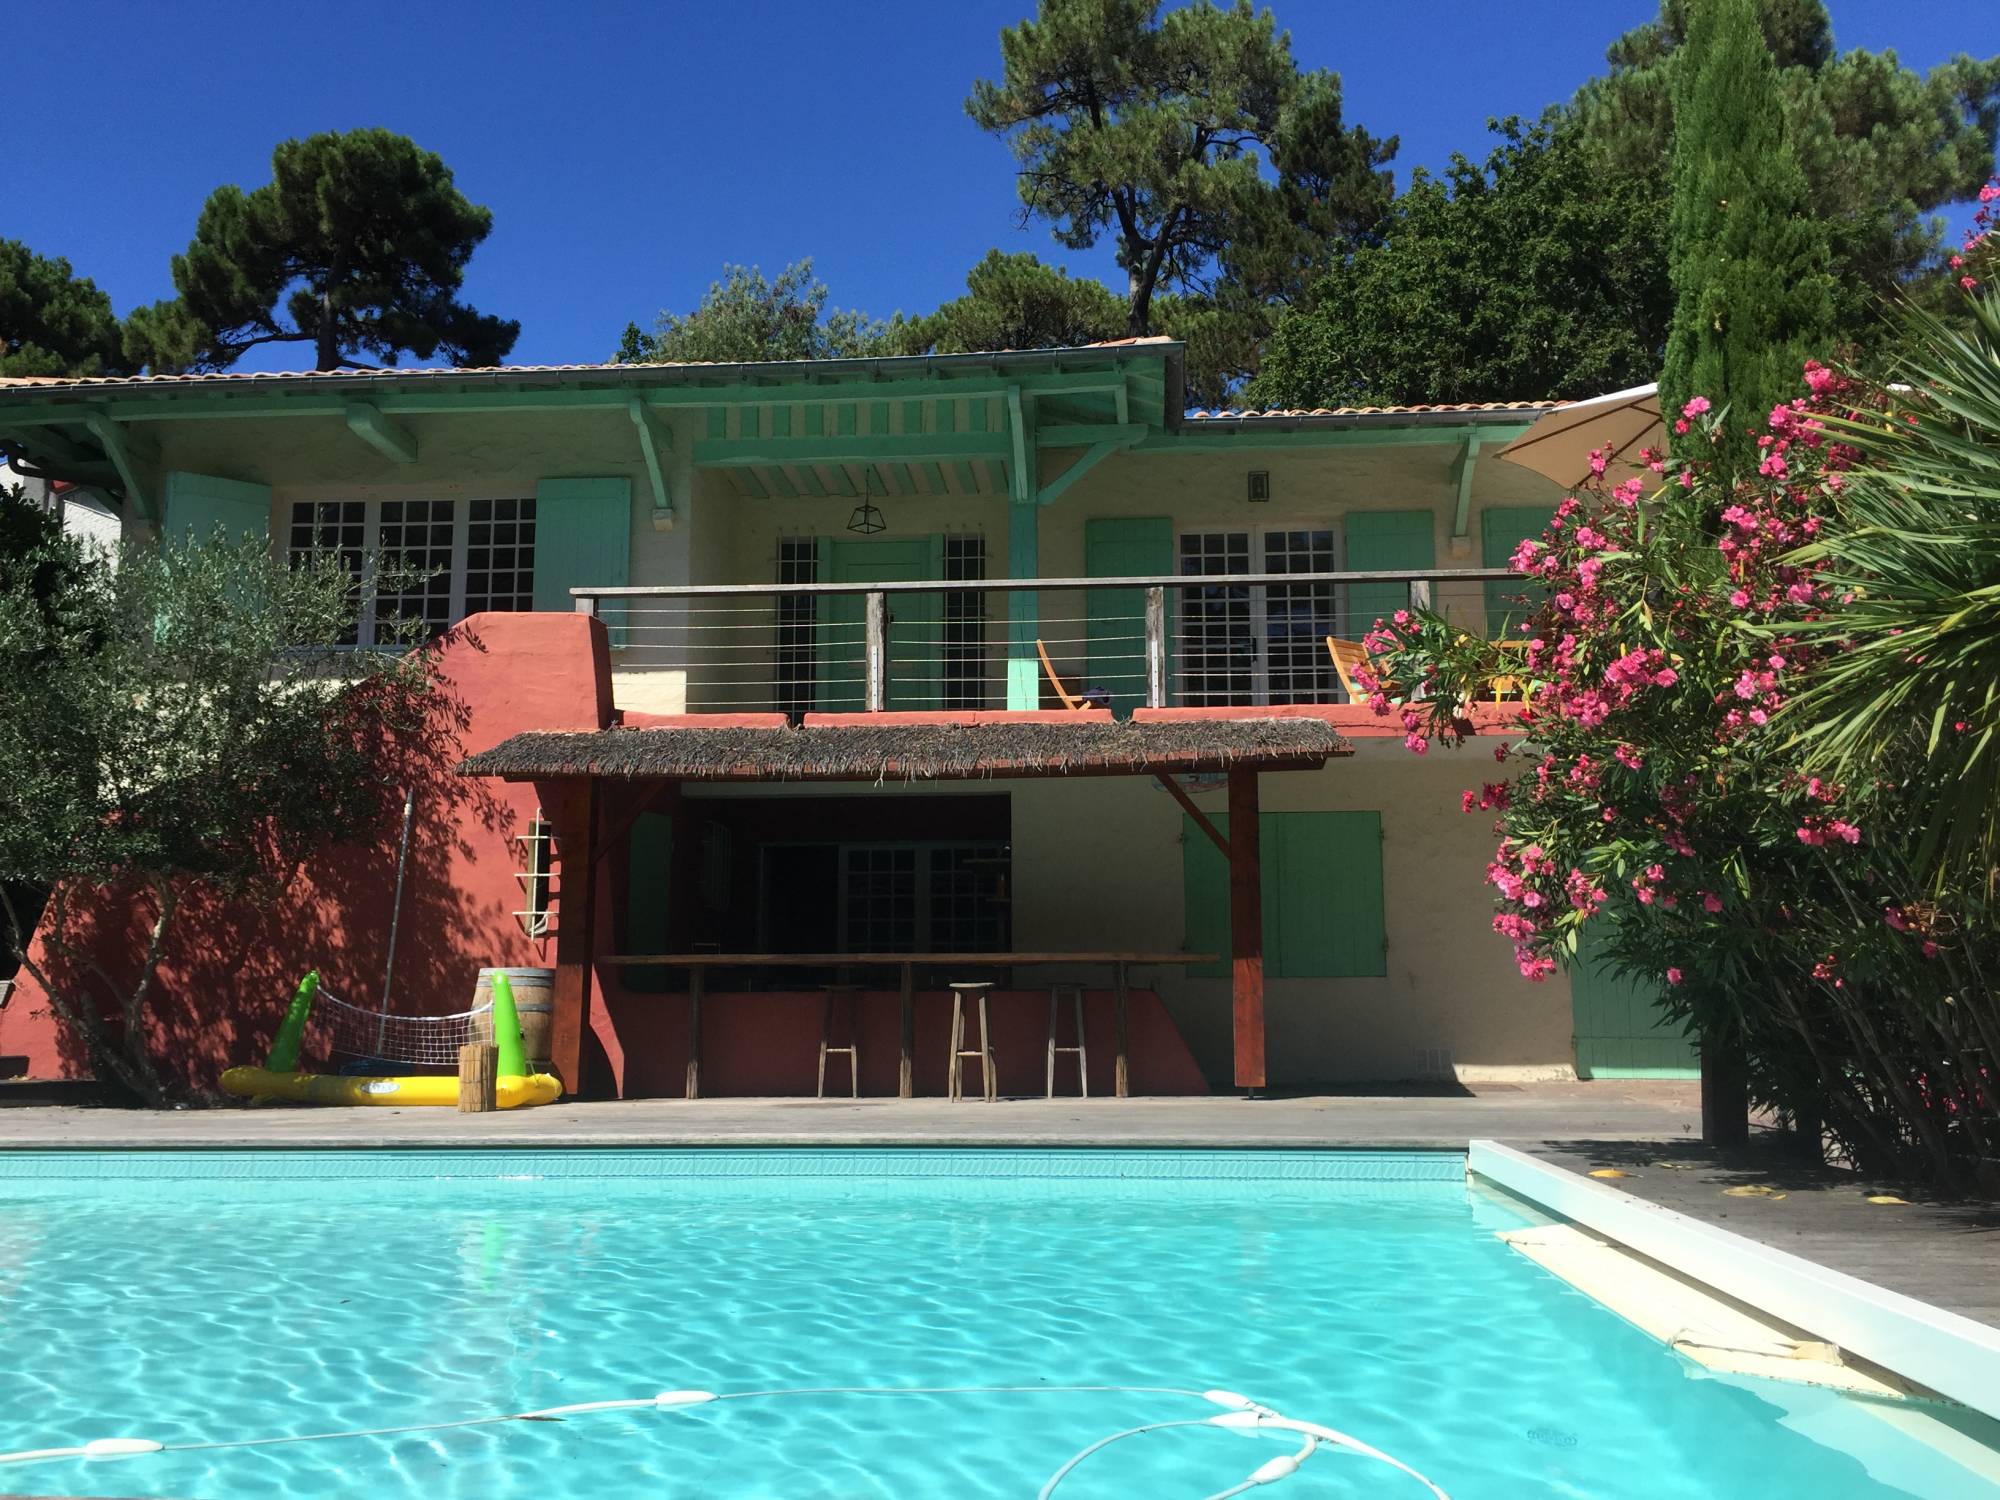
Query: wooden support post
x: 1246, y: 930
x: 478, y: 1078
x: 906, y: 1078
x: 1156, y: 647
x: 575, y: 820
x: 876, y: 634
x: 694, y: 1032
x: 1420, y: 593
x: 1121, y: 990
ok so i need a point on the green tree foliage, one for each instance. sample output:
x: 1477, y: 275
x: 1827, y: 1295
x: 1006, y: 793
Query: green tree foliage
x: 1752, y: 297
x: 357, y: 247
x: 1519, y: 280
x: 1156, y: 130
x: 1016, y: 302
x: 181, y: 723
x: 53, y: 322
x: 743, y: 317
x: 1881, y: 145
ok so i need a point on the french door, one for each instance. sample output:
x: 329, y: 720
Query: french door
x: 1255, y: 644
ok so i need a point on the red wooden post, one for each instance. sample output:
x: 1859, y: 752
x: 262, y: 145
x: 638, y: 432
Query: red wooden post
x: 1246, y: 930
x: 575, y: 819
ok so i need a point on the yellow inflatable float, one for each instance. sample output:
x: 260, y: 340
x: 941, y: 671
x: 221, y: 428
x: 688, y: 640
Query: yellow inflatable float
x: 280, y: 1077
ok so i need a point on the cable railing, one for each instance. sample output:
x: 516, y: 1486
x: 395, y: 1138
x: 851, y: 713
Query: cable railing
x: 975, y: 644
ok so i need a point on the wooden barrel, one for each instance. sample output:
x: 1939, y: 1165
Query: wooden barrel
x: 534, y: 1002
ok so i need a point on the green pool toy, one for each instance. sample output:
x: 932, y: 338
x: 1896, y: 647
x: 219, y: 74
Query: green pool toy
x: 291, y: 1036
x: 513, y: 1062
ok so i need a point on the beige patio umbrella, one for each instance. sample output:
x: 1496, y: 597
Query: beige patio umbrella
x: 1560, y: 442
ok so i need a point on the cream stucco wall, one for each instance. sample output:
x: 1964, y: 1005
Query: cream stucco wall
x: 1097, y: 862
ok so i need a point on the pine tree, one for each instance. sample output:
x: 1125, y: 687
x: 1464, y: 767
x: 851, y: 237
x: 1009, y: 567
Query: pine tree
x: 1148, y: 127
x: 356, y: 246
x: 52, y: 321
x: 1752, y: 296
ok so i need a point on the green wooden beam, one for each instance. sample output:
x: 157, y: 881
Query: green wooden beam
x: 1022, y: 476
x: 126, y: 453
x: 1081, y: 435
x: 389, y: 438
x: 725, y: 453
x: 1024, y: 669
x: 1191, y: 438
x: 656, y: 445
x: 1468, y: 460
x: 1051, y: 492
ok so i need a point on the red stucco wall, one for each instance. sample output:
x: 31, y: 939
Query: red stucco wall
x: 230, y: 966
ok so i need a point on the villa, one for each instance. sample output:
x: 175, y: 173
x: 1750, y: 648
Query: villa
x: 841, y: 675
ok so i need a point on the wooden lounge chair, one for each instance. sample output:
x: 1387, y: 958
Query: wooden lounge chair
x: 1049, y: 671
x: 1347, y: 655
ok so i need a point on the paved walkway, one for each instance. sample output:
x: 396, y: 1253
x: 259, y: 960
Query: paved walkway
x: 1446, y: 1121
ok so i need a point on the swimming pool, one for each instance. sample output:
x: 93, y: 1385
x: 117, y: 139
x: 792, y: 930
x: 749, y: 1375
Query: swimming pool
x: 210, y: 1297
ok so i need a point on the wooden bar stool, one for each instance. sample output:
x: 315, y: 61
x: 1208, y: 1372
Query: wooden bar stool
x: 1074, y: 992
x: 844, y: 996
x: 955, y: 1081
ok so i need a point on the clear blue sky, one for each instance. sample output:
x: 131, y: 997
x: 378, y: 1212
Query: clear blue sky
x: 628, y: 150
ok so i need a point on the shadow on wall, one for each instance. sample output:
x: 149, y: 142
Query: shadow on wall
x: 231, y: 965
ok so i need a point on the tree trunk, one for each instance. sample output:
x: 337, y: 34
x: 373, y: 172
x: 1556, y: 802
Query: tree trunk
x: 1139, y: 310
x: 1725, y: 1091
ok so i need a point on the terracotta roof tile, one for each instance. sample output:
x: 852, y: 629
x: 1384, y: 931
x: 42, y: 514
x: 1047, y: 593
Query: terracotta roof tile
x: 228, y: 377
x: 1225, y: 414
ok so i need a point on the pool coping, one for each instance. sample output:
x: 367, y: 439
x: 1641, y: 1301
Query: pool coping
x: 1953, y: 1355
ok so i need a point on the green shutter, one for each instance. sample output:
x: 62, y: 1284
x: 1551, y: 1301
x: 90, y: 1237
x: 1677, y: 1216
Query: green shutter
x: 583, y: 535
x: 1115, y: 626
x: 649, y: 867
x: 195, y: 504
x: 1502, y: 528
x: 1322, y: 895
x: 1378, y: 540
x: 1620, y: 1030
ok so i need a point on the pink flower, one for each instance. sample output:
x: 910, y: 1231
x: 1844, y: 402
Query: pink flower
x: 1710, y: 902
x: 1673, y: 976
x: 1695, y: 407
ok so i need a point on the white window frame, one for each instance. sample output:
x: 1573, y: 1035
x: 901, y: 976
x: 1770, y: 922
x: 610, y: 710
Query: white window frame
x: 371, y: 532
x: 1258, y: 535
x: 924, y: 849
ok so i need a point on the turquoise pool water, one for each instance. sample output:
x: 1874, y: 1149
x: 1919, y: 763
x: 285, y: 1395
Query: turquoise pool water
x: 207, y: 1297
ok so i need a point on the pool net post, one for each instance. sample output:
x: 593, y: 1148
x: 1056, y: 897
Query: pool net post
x: 478, y: 1078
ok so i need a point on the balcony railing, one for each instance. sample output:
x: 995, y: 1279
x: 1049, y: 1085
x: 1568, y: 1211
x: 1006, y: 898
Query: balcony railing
x: 1158, y: 641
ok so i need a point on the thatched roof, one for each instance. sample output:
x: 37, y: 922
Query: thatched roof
x: 912, y: 752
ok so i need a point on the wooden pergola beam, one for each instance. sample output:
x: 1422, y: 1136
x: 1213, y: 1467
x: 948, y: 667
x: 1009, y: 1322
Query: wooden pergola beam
x: 1246, y: 931
x: 575, y: 816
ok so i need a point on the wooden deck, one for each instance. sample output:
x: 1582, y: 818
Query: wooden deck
x: 1940, y: 1251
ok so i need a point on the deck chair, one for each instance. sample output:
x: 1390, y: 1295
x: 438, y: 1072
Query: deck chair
x: 1501, y: 687
x: 1049, y: 671
x: 1347, y: 655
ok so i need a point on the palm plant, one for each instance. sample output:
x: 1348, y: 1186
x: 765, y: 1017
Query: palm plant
x: 1908, y: 687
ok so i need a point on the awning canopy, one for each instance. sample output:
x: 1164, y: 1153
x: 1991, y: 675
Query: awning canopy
x: 1560, y: 443
x: 913, y: 752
